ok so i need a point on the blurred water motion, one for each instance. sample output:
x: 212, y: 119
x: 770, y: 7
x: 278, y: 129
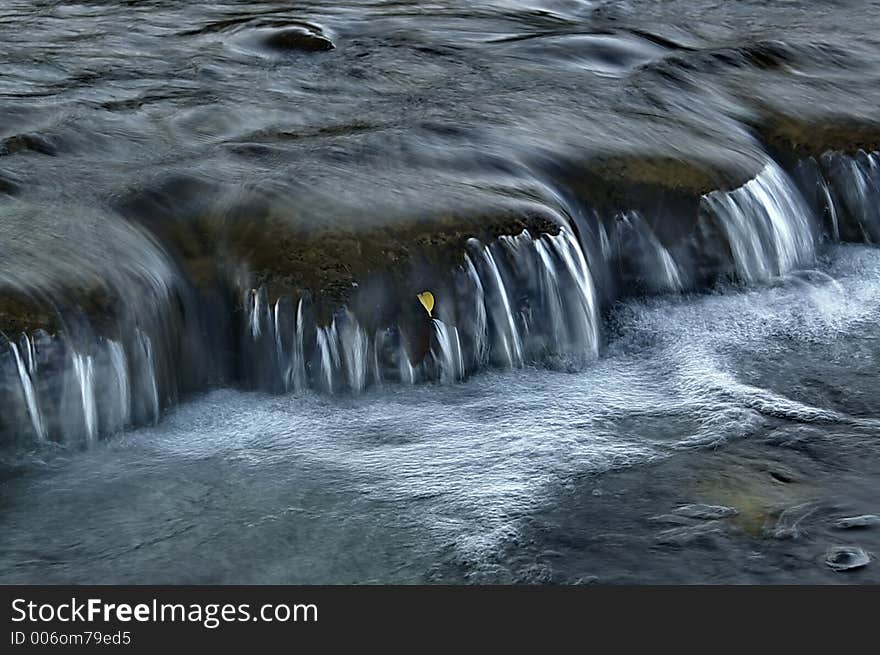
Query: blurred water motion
x: 645, y: 227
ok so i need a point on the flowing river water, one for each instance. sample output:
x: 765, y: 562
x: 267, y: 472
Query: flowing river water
x: 648, y: 228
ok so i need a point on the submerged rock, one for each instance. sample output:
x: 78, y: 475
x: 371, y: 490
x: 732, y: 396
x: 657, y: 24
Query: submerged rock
x: 847, y: 558
x: 7, y: 184
x: 689, y: 534
x: 863, y: 521
x: 28, y: 143
x: 788, y: 525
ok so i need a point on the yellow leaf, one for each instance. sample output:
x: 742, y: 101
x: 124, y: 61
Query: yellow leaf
x: 427, y: 300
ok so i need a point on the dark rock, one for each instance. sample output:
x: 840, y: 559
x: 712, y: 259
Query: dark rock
x: 799, y: 137
x: 298, y: 40
x: 28, y: 142
x: 783, y: 475
x: 639, y: 181
x: 847, y: 558
x: 21, y: 313
x: 7, y: 186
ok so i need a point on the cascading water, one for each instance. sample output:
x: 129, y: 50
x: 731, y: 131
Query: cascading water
x: 480, y: 325
x: 405, y: 368
x: 586, y: 310
x: 520, y: 299
x: 328, y: 349
x: 527, y: 299
x: 447, y: 354
x: 120, y: 368
x: 30, y: 396
x: 555, y: 315
x: 354, y: 346
x: 767, y: 225
x: 149, y: 381
x: 508, y: 345
x: 850, y: 192
x: 84, y: 372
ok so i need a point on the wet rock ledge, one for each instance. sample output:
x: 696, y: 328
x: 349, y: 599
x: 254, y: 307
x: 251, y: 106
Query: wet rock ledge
x: 256, y: 291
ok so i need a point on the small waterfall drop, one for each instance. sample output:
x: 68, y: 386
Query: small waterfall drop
x: 257, y: 301
x: 284, y: 362
x: 84, y: 371
x: 767, y: 224
x: 447, y: 352
x: 120, y: 369
x: 148, y: 375
x: 27, y: 344
x: 406, y: 370
x: 354, y: 345
x: 831, y: 209
x: 851, y: 193
x: 329, y: 354
x: 585, y: 310
x: 30, y: 395
x: 480, y: 321
x: 550, y: 292
x: 298, y: 365
x: 507, y: 333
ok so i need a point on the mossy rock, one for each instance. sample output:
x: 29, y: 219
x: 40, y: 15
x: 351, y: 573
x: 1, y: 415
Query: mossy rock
x: 799, y: 137
x: 284, y: 245
x: 98, y: 306
x: 632, y: 181
x: 330, y: 264
x: 20, y: 313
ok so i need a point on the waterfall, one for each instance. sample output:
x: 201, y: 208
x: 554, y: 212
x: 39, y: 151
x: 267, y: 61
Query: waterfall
x: 148, y: 374
x: 550, y: 291
x: 519, y: 299
x: 284, y: 365
x: 832, y: 211
x: 329, y: 354
x: 120, y: 369
x: 405, y: 368
x: 447, y: 352
x: 299, y: 358
x: 516, y: 300
x: 28, y: 348
x: 851, y: 185
x: 637, y: 251
x: 670, y: 276
x: 83, y: 369
x: 30, y: 395
x: 506, y: 331
x: 355, y: 351
x: 585, y: 308
x: 377, y: 367
x: 256, y: 329
x: 767, y: 224
x: 480, y: 322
